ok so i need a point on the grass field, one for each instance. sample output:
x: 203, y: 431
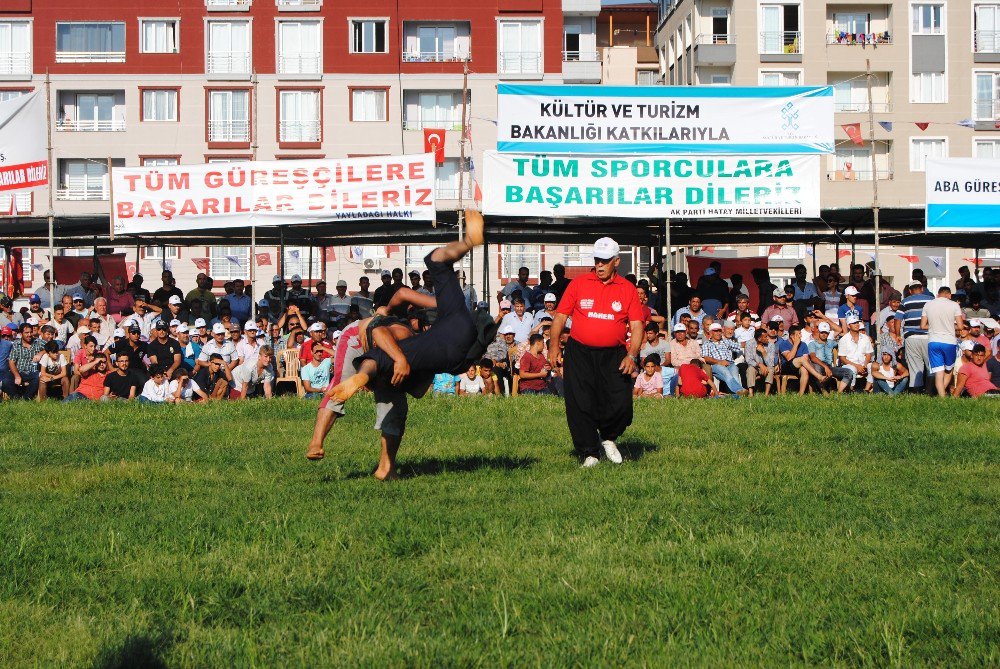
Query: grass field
x: 782, y: 531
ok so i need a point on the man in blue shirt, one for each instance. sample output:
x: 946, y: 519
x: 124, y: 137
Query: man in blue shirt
x: 915, y: 342
x: 793, y: 354
x: 239, y: 302
x: 5, y: 347
x: 821, y: 351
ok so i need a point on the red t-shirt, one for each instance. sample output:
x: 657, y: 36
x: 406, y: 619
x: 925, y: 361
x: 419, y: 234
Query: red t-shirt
x: 306, y: 351
x: 978, y: 379
x: 600, y: 312
x: 92, y: 386
x: 691, y: 380
x: 532, y: 363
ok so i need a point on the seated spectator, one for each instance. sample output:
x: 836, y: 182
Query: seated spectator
x: 252, y: 379
x: 64, y: 329
x: 762, y: 361
x: 83, y: 361
x: 746, y: 331
x: 519, y: 320
x: 75, y: 343
x: 974, y: 378
x: 534, y: 368
x: 443, y: 384
x: 694, y: 382
x: 890, y: 376
x: 183, y: 388
x: 491, y: 385
x: 218, y: 344
x: 164, y: 351
x: 821, y: 356
x: 993, y: 367
x: 93, y: 375
x: 655, y: 345
x: 143, y: 316
x: 52, y: 370
x: 649, y: 383
x: 693, y: 310
x: 694, y: 331
x: 780, y: 308
x: 855, y: 352
x: 795, y: 359
x: 22, y: 381
x: 471, y: 383
x: 214, y: 378
x: 316, y: 373
x: 157, y: 389
x: 122, y: 383
x: 719, y: 355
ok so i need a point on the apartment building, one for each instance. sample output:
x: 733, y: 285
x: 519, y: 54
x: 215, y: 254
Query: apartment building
x: 163, y: 82
x: 931, y: 61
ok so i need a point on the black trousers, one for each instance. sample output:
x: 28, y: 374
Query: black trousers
x: 598, y: 396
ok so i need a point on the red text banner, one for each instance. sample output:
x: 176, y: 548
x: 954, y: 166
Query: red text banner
x: 271, y: 193
x: 23, y: 154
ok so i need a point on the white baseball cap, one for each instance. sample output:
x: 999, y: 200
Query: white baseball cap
x: 318, y: 326
x: 823, y: 327
x: 182, y: 328
x: 336, y: 334
x: 975, y: 323
x: 778, y: 317
x: 714, y: 326
x: 341, y: 283
x: 118, y: 333
x: 174, y: 323
x: 507, y: 329
x: 199, y: 322
x: 549, y: 297
x: 296, y: 277
x: 174, y: 300
x: 276, y: 279
x: 850, y: 290
x: 967, y: 345
x: 989, y: 323
x: 680, y: 327
x: 218, y: 328
x: 250, y: 325
x: 606, y: 248
x: 505, y: 304
x: 32, y: 321
x: 386, y: 272
x: 852, y: 319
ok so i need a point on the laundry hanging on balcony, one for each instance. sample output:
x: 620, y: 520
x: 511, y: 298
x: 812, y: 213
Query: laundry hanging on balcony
x: 864, y: 39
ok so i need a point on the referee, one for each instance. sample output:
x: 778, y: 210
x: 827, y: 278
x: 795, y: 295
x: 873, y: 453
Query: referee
x: 597, y: 369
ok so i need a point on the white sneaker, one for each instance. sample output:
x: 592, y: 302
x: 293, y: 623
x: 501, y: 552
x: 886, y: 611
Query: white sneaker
x: 591, y: 461
x: 611, y: 451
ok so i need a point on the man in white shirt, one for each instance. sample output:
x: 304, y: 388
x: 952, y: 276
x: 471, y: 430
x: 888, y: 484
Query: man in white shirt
x: 855, y: 351
x: 143, y: 317
x: 219, y: 343
x: 108, y: 325
x: 340, y: 303
x: 248, y: 376
x: 941, y: 317
x: 549, y: 301
x: 521, y: 322
x: 248, y: 349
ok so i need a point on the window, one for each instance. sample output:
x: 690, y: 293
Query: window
x: 780, y: 77
x: 515, y: 256
x: 571, y: 42
x: 300, y: 47
x: 15, y: 47
x: 928, y: 87
x: 446, y: 180
x: 11, y: 94
x: 159, y: 104
x: 721, y: 79
x: 297, y: 262
x: 433, y: 109
x: 435, y: 42
x: 986, y: 148
x: 369, y: 104
x: 850, y: 95
x: 229, y: 116
x: 228, y: 47
x: 851, y: 23
x: 987, y: 92
x: 299, y: 116
x: 779, y: 31
x: 720, y: 25
x: 230, y: 4
x: 159, y: 161
x: 154, y: 252
x: 786, y: 252
x: 91, y: 111
x: 987, y: 28
x: 927, y: 19
x: 159, y: 35
x: 90, y: 42
x: 84, y: 178
x: 647, y: 77
x: 299, y: 4
x: 369, y: 36
x: 227, y: 263
x: 922, y: 149
x: 520, y: 47
x: 14, y: 204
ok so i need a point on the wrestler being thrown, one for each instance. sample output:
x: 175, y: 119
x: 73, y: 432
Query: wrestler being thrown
x: 393, y: 360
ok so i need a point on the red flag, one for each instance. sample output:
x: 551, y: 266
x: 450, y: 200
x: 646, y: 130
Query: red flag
x: 13, y: 274
x: 390, y: 249
x: 201, y: 263
x: 974, y: 261
x: 263, y: 259
x: 923, y: 126
x: 331, y: 254
x: 478, y: 193
x: 774, y: 249
x: 843, y: 254
x: 131, y: 269
x: 434, y: 143
x: 910, y: 259
x: 853, y: 131
x: 708, y: 249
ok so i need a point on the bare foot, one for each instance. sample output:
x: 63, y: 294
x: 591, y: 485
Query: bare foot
x: 345, y: 390
x: 474, y: 227
x: 315, y: 453
x: 390, y: 475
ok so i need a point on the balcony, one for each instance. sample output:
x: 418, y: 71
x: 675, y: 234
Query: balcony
x: 228, y: 63
x: 520, y: 64
x: 449, y: 191
x: 986, y: 45
x: 987, y: 113
x: 298, y: 131
x: 90, y: 56
x: 781, y: 47
x: 15, y: 65
x: 861, y: 107
x: 581, y: 67
x: 299, y: 5
x: 446, y: 122
x: 434, y: 57
x: 581, y: 7
x: 715, y: 49
x: 228, y: 131
x: 858, y: 175
x: 838, y: 38
x: 90, y: 125
x: 228, y: 5
x: 83, y: 192
x: 303, y: 65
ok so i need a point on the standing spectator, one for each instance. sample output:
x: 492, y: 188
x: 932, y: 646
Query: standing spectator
x: 520, y: 321
x: 340, y: 303
x: 35, y: 309
x: 45, y: 293
x: 6, y: 346
x: 384, y: 292
x: 23, y: 365
x: 976, y: 308
x: 80, y: 288
x: 119, y: 299
x: 471, y: 383
x: 713, y: 291
x: 208, y: 307
x: 941, y: 318
x: 521, y: 284
x: 364, y: 298
x: 561, y: 283
x: 298, y: 295
x: 240, y: 304
x: 597, y: 369
x: 214, y: 378
x: 323, y: 302
x: 538, y: 293
x: 719, y: 355
x: 535, y: 369
x: 122, y: 384
x: 855, y: 352
x: 471, y: 299
x: 915, y: 339
x: 803, y: 292
x: 156, y: 389
x: 428, y: 283
x: 52, y: 369
x: 780, y: 307
x: 650, y: 382
x: 164, y: 351
x: 168, y: 288
x: 136, y: 290
x: 415, y: 284
x: 252, y: 378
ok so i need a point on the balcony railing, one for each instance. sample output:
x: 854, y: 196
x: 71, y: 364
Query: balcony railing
x: 716, y: 38
x: 300, y: 63
x: 450, y: 191
x: 231, y: 4
x: 15, y: 63
x: 451, y: 122
x: 581, y: 56
x: 288, y: 4
x: 987, y: 109
x: 858, y: 175
x: 228, y: 131
x: 228, y: 62
x: 90, y: 56
x: 987, y: 41
x: 855, y: 107
x: 443, y: 56
x: 781, y: 42
x: 521, y: 62
x: 83, y: 192
x: 837, y: 37
x: 77, y: 125
x: 299, y: 131
x: 12, y: 204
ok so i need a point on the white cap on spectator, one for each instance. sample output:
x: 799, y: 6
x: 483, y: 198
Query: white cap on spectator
x: 32, y: 321
x: 82, y: 329
x: 714, y: 326
x: 989, y: 323
x: 174, y: 323
x: 200, y: 322
x: 174, y: 300
x: 778, y: 317
x: 823, y: 327
x: 336, y: 334
x: 852, y: 319
x: 606, y: 248
x: 505, y: 304
x: 680, y: 327
x: 317, y: 327
x: 182, y: 328
x: 218, y: 328
x: 250, y: 325
x: 78, y: 296
x: 549, y: 297
x: 296, y: 277
x: 967, y: 345
x: 118, y: 333
x: 975, y: 323
x: 386, y: 272
x: 779, y: 292
x: 341, y: 283
x: 276, y: 279
x: 850, y: 290
x: 507, y: 329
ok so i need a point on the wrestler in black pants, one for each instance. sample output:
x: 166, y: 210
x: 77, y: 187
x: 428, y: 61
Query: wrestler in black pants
x: 598, y: 396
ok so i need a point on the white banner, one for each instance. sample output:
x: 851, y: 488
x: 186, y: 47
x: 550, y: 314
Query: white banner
x: 652, y: 186
x: 23, y: 153
x: 963, y: 195
x: 665, y: 119
x: 269, y: 193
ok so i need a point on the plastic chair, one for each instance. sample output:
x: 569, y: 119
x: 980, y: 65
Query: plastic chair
x: 290, y: 373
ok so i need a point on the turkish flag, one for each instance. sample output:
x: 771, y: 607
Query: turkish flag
x: 975, y: 261
x: 390, y: 249
x: 131, y: 269
x: 922, y: 126
x: 201, y: 263
x: 774, y: 249
x: 708, y: 249
x: 843, y: 254
x: 853, y: 131
x: 263, y: 259
x: 434, y: 143
x: 910, y: 259
x: 331, y: 254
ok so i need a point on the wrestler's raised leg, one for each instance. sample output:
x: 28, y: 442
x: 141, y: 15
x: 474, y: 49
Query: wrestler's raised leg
x: 347, y: 388
x: 454, y: 251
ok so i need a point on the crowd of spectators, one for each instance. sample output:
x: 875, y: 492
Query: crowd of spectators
x: 104, y: 340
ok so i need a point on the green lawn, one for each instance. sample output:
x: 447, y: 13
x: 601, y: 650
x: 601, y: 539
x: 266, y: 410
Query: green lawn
x: 850, y: 531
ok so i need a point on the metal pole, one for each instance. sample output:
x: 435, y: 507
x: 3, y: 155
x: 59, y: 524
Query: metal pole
x: 814, y: 258
x: 253, y: 271
x: 876, y: 270
x: 486, y: 273
x: 111, y: 203
x: 281, y: 252
x: 51, y: 283
x: 977, y: 265
x: 670, y: 265
x: 311, y: 242
x: 461, y: 148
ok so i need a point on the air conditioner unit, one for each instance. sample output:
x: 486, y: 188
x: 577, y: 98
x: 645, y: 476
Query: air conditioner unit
x: 372, y: 264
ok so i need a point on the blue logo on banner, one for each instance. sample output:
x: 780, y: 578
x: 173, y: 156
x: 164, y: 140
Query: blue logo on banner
x: 791, y: 116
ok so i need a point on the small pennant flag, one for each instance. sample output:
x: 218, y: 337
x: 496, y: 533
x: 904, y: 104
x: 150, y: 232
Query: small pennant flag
x: 910, y: 259
x: 975, y: 261
x: 38, y: 267
x: 357, y: 253
x: 853, y: 131
x: 294, y: 254
x: 967, y: 123
x: 168, y: 265
x: 886, y: 125
x: 390, y: 249
x: 843, y: 254
x: 234, y: 260
x: 923, y: 126
x: 263, y: 259
x: 872, y: 256
x: 201, y: 263
x: 774, y: 249
x: 434, y: 143
x: 809, y: 251
x: 937, y: 261
x: 708, y: 249
x: 331, y: 254
x: 477, y: 194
